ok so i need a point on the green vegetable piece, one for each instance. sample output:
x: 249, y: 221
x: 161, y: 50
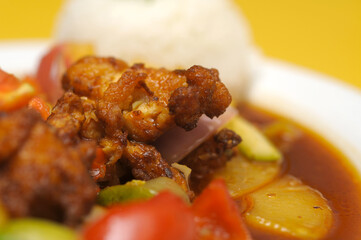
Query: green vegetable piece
x: 139, y: 190
x: 254, y: 145
x: 123, y: 193
x: 35, y: 229
x: 159, y: 184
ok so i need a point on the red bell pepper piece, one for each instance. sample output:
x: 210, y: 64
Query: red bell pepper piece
x: 163, y: 217
x: 14, y: 94
x: 213, y: 216
x: 217, y: 215
x: 98, y: 167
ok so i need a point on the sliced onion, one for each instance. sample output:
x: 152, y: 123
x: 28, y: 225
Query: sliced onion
x: 175, y: 144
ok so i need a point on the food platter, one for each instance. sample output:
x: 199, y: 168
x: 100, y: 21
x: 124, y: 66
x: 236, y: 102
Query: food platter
x: 321, y: 103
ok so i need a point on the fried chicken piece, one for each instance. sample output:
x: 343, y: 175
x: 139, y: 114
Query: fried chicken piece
x: 10, y: 140
x: 146, y: 102
x: 91, y: 76
x: 68, y: 117
x: 45, y: 177
x: 205, y: 94
x: 210, y: 156
x: 76, y: 118
x: 147, y: 163
x: 132, y: 106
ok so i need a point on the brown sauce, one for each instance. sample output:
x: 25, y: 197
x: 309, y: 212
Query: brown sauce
x: 318, y: 164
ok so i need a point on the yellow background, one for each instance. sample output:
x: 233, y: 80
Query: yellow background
x: 324, y: 35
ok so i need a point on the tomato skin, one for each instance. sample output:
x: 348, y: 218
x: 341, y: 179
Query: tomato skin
x: 163, y: 217
x: 217, y: 215
x: 14, y: 94
x: 213, y: 216
x: 40, y: 106
x: 98, y: 167
x: 8, y: 82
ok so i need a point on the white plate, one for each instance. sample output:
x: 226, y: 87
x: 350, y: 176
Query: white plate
x: 323, y: 104
x: 320, y: 103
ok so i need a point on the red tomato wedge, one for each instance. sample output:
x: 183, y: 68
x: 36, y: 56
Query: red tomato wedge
x: 53, y: 65
x: 217, y: 215
x: 14, y: 94
x: 8, y: 82
x: 98, y: 167
x: 40, y: 106
x: 163, y: 217
x: 213, y: 216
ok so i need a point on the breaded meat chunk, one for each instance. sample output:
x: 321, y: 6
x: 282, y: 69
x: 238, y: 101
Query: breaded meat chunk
x: 13, y: 133
x: 68, y: 117
x: 45, y: 177
x: 91, y: 76
x: 127, y: 108
x: 76, y: 118
x: 210, y: 156
x: 204, y: 94
x: 147, y: 163
x: 146, y: 102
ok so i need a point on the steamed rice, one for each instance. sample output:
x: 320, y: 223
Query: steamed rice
x: 169, y: 33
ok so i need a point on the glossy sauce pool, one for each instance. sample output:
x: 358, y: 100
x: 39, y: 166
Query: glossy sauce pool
x: 319, y: 165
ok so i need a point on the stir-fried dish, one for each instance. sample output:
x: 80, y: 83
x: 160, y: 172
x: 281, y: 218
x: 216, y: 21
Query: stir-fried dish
x: 133, y: 152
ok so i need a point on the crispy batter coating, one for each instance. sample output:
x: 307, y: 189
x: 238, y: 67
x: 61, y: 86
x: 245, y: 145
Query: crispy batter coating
x: 76, y: 118
x: 91, y: 76
x: 125, y: 108
x: 147, y: 163
x: 210, y: 156
x: 205, y: 94
x: 68, y: 116
x: 185, y: 105
x: 45, y: 177
x: 146, y: 102
x: 11, y: 141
